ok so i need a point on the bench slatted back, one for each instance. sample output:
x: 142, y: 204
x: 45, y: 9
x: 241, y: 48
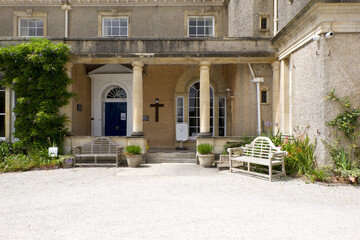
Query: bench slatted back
x: 260, y: 147
x: 100, y: 145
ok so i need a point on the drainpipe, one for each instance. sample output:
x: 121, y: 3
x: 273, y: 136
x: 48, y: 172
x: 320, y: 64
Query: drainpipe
x: 257, y: 81
x: 66, y: 7
x: 275, y: 17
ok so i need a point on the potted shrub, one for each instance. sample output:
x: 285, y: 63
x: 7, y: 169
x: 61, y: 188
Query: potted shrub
x: 133, y: 155
x: 205, y: 154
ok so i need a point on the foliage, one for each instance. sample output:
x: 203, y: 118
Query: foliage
x: 345, y: 154
x: 300, y: 159
x: 205, y: 148
x: 35, y: 71
x: 133, y: 150
x: 36, y: 158
x: 345, y: 122
x: 317, y: 174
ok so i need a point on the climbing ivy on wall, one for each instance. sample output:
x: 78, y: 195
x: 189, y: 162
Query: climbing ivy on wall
x: 35, y: 71
x: 347, y: 121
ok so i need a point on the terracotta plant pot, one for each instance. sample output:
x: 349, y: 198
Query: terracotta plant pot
x: 206, y: 160
x: 134, y: 160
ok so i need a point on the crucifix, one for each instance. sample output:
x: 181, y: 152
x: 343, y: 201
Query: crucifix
x: 156, y: 105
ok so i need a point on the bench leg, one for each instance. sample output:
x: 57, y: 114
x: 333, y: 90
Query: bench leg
x: 283, y: 168
x: 249, y: 166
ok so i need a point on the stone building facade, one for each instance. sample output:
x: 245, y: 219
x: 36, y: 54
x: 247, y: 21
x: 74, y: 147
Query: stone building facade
x: 139, y: 66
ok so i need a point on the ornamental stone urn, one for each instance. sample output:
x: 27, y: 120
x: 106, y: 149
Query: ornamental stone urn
x: 134, y: 160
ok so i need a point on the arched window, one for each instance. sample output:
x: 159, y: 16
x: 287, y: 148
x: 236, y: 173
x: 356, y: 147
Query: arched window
x: 194, y: 109
x: 116, y: 92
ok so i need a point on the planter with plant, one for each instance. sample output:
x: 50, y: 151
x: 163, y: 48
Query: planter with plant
x: 133, y: 155
x: 205, y: 154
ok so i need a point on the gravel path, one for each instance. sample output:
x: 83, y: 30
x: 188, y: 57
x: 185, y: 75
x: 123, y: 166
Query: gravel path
x: 171, y: 202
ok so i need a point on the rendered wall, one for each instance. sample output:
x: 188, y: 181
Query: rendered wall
x: 317, y: 68
x: 287, y: 10
x: 244, y: 17
x: 244, y: 119
x: 81, y: 120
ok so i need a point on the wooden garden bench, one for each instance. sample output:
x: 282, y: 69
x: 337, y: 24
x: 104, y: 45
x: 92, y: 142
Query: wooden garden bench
x: 99, y: 147
x: 260, y: 151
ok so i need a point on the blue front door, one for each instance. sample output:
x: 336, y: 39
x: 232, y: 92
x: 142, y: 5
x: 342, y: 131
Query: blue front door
x: 115, y: 118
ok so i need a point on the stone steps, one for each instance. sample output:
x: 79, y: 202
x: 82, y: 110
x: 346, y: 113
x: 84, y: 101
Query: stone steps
x: 166, y: 155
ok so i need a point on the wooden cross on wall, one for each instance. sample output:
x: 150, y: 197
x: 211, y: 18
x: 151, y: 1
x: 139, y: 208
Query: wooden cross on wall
x: 156, y: 106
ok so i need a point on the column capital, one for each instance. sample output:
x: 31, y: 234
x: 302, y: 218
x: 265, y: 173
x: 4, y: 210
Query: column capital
x: 137, y: 65
x: 275, y: 65
x: 204, y: 65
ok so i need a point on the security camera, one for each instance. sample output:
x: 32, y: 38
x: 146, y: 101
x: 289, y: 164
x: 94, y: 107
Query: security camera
x: 316, y: 38
x: 329, y: 34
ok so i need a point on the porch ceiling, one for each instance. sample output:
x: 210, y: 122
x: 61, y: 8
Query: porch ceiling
x: 166, y: 51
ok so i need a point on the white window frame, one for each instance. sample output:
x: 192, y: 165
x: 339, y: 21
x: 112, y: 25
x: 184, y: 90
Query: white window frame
x: 197, y: 18
x: 183, y: 109
x: 30, y: 19
x: 224, y: 98
x: 211, y: 106
x: 117, y: 17
x: 28, y: 14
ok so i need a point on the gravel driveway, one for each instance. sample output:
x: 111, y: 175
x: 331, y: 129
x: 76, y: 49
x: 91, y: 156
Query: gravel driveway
x: 178, y: 201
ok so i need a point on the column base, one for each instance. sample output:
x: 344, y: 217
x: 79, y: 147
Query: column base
x: 137, y: 134
x: 204, y: 135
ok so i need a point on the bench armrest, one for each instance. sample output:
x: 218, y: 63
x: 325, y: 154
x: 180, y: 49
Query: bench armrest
x: 279, y: 154
x: 76, y: 150
x: 119, y: 150
x: 236, y: 150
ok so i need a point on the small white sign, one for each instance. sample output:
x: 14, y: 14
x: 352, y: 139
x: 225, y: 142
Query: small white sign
x: 123, y: 116
x: 53, y: 151
x: 182, y: 132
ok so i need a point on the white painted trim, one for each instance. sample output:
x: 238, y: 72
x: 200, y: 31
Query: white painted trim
x: 183, y: 109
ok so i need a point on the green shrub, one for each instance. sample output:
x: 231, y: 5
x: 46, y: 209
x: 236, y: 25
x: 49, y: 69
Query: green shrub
x: 205, y: 148
x: 133, y: 150
x: 300, y: 159
x: 35, y: 71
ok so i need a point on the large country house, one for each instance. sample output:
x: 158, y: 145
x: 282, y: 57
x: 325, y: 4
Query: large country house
x: 145, y: 70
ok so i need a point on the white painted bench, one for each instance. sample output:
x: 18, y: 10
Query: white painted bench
x: 99, y: 147
x: 260, y: 151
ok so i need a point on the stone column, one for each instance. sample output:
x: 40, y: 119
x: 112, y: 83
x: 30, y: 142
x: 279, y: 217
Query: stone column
x: 284, y: 96
x: 276, y: 95
x: 204, y: 98
x: 137, y: 99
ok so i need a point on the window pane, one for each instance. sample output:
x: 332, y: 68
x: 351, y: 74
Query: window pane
x: 192, y: 31
x: 201, y: 22
x: 40, y: 23
x: 2, y: 126
x: 221, y: 132
x: 123, y: 22
x: 180, y: 102
x: 221, y: 112
x: 209, y: 22
x: 264, y: 96
x: 192, y: 22
x: 2, y: 101
x: 221, y: 102
x: 40, y: 32
x: 180, y: 120
x: 221, y: 122
x: 115, y: 32
x: 32, y: 32
x: 201, y: 31
x: 115, y: 23
x: 123, y: 32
